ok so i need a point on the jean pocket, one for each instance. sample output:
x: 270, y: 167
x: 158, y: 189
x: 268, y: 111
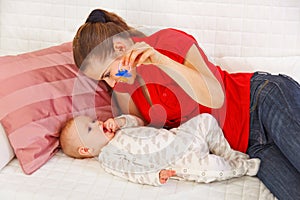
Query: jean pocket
x: 257, y: 94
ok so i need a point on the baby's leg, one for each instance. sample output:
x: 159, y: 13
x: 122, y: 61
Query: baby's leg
x: 216, y: 168
x: 218, y: 145
x: 208, y: 129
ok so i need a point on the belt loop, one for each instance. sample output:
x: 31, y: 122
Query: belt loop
x: 262, y: 73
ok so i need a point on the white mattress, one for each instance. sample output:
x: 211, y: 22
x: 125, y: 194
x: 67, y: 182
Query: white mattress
x: 67, y: 178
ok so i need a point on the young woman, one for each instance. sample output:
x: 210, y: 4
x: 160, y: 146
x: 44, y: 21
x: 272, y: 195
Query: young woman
x: 166, y: 79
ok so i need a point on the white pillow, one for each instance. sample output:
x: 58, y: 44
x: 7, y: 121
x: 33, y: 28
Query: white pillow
x: 6, y: 151
x: 289, y: 65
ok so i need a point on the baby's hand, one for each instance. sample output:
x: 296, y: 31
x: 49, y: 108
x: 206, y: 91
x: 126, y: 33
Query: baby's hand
x: 165, y: 174
x: 111, y: 125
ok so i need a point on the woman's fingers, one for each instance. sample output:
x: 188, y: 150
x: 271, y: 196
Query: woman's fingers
x: 139, y: 53
x: 147, y: 55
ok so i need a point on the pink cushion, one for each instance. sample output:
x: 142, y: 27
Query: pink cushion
x: 39, y: 92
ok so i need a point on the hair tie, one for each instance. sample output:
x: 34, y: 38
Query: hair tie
x: 96, y: 16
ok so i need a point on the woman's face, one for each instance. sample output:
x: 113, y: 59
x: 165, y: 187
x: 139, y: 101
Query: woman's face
x: 109, y: 74
x: 107, y: 70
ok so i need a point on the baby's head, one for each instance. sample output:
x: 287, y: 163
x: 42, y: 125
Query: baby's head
x: 83, y: 137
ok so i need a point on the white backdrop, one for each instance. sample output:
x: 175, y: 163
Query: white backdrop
x: 222, y: 27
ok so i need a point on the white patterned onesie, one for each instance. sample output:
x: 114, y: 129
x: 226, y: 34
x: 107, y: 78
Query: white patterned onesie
x: 197, y: 150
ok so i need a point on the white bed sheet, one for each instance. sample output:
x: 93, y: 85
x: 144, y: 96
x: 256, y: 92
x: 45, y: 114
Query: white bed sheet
x: 67, y: 178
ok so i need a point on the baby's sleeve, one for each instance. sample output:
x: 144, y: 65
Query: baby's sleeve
x: 130, y: 121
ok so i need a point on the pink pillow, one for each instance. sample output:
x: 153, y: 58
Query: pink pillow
x: 39, y: 92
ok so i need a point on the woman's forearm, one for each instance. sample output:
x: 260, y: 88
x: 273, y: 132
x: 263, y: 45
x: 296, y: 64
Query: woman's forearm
x: 204, y: 88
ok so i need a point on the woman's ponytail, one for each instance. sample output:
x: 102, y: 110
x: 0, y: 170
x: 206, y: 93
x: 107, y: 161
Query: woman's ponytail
x: 95, y: 16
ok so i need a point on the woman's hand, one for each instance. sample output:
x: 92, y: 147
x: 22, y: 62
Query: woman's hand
x: 111, y: 125
x: 141, y: 53
x: 165, y: 174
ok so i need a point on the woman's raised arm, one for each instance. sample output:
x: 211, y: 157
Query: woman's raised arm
x: 194, y: 76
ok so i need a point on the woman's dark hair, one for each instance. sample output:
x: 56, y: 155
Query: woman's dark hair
x: 99, y: 27
x: 96, y: 16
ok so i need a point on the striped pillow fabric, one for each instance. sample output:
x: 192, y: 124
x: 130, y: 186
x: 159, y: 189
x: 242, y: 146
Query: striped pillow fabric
x: 39, y: 92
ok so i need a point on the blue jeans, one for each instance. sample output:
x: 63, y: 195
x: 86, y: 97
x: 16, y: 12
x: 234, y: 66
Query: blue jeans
x: 275, y: 133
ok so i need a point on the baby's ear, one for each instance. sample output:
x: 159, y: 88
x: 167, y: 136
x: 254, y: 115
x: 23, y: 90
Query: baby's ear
x: 84, y: 151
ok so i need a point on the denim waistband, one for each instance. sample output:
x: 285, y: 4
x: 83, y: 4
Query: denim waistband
x: 259, y: 74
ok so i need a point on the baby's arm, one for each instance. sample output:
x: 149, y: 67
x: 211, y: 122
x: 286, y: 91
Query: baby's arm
x: 123, y: 121
x: 111, y: 125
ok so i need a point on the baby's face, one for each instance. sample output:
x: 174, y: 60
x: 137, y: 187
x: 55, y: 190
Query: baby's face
x: 91, y: 133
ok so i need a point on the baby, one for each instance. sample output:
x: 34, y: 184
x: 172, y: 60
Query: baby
x: 195, y: 151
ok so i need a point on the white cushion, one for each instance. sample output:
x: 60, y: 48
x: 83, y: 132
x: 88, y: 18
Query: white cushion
x: 289, y: 65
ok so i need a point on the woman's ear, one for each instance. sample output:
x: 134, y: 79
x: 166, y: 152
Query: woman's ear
x: 84, y: 151
x: 119, y: 47
x: 121, y: 44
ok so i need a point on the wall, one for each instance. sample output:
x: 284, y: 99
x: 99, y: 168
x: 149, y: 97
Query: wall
x: 222, y: 27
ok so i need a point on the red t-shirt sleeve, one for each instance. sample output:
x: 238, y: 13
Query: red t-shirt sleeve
x: 164, y: 40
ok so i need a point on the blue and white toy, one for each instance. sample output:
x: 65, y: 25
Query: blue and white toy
x: 123, y: 73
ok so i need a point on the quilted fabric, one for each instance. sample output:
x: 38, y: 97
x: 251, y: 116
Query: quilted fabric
x: 63, y: 178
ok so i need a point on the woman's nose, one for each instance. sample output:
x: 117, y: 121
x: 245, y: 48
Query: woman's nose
x: 111, y: 82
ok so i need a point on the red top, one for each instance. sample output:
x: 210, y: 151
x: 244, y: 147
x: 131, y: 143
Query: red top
x: 171, y: 106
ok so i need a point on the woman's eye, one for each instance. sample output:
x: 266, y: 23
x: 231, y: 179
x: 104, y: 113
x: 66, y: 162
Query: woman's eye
x: 107, y: 75
x: 89, y: 129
